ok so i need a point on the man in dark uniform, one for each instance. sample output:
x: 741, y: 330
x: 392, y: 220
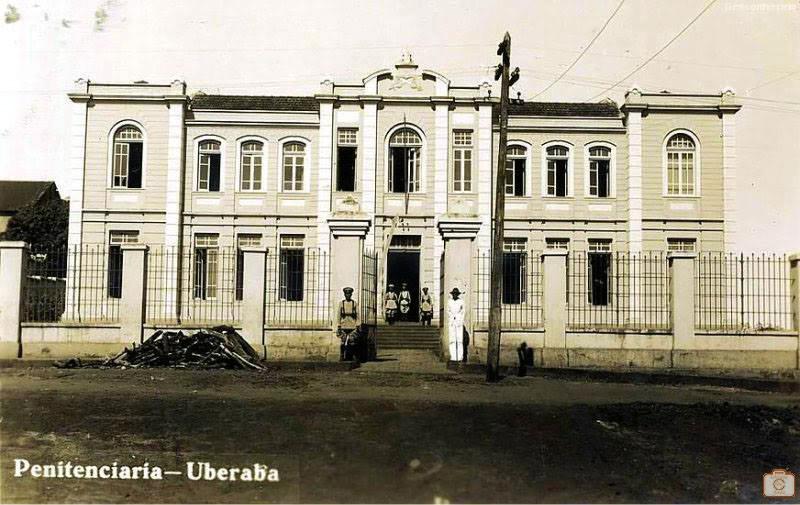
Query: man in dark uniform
x: 348, y: 325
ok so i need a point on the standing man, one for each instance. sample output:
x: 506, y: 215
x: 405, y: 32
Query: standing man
x: 390, y: 304
x: 405, y: 301
x: 425, y: 307
x: 455, y: 333
x: 348, y: 325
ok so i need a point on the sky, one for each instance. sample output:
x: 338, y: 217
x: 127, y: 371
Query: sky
x: 270, y: 47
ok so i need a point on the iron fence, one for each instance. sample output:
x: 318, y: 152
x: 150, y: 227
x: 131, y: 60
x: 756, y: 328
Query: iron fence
x: 742, y: 292
x: 369, y: 288
x: 521, y: 286
x: 208, y: 286
x: 82, y: 284
x: 161, y: 285
x: 297, y: 288
x: 618, y: 290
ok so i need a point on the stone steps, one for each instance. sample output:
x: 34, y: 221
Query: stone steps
x: 401, y: 336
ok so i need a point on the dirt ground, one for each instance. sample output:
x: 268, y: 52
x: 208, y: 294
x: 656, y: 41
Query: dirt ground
x: 362, y: 436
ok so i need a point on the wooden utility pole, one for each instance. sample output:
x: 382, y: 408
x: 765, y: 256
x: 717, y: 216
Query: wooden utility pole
x: 496, y: 281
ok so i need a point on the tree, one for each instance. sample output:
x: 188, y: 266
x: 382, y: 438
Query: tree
x: 43, y: 225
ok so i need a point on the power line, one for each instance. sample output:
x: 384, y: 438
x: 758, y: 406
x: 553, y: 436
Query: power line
x: 664, y: 48
x: 772, y: 80
x: 575, y: 61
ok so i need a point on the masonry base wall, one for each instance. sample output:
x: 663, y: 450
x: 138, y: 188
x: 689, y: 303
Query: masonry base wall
x: 649, y: 350
x: 301, y: 344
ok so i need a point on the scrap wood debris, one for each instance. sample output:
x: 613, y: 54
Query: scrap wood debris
x: 218, y: 347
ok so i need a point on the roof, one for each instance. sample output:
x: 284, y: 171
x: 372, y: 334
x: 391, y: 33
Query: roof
x: 16, y: 194
x: 561, y: 109
x: 249, y: 102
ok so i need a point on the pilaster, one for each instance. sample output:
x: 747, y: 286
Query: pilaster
x: 174, y: 195
x: 440, y: 189
x: 635, y: 181
x: 729, y: 166
x: 484, y: 173
x: 324, y: 172
x: 369, y: 139
x: 76, y: 165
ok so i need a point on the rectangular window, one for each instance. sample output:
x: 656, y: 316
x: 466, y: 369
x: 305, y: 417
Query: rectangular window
x: 292, y: 268
x: 681, y: 244
x: 462, y: 161
x: 515, y: 176
x: 116, y: 239
x: 514, y: 270
x: 206, y: 261
x: 599, y: 274
x: 599, y: 178
x: 559, y: 244
x: 557, y: 177
x: 209, y: 171
x: 244, y: 240
x: 346, y: 156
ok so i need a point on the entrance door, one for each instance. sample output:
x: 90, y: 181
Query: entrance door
x: 403, y: 266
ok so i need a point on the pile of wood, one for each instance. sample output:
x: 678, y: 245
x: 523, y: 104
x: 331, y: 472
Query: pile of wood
x: 219, y: 347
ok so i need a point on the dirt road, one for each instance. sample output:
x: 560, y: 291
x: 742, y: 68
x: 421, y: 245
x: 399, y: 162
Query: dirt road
x: 376, y: 437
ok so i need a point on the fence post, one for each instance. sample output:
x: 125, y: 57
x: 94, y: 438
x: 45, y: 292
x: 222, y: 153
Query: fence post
x: 682, y: 294
x: 794, y: 276
x: 132, y: 303
x: 459, y: 253
x: 347, y: 249
x: 253, y: 294
x: 554, y: 304
x: 12, y: 280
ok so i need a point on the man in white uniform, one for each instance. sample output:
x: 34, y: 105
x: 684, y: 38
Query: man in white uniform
x: 455, y: 317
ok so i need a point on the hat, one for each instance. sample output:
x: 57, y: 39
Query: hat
x: 455, y: 291
x: 348, y: 289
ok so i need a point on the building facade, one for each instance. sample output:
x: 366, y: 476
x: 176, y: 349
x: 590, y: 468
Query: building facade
x: 409, y: 157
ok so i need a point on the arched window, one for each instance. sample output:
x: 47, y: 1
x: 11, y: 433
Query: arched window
x: 600, y: 171
x: 252, y: 162
x: 294, y: 163
x: 681, y: 164
x: 127, y: 162
x: 208, y: 163
x: 557, y: 171
x: 516, y: 161
x: 404, y: 160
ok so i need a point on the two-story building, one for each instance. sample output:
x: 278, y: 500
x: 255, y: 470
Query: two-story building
x: 410, y: 156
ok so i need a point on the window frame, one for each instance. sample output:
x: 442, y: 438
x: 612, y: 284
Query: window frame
x: 240, y: 142
x: 675, y: 240
x: 421, y: 158
x: 528, y: 166
x: 515, y: 249
x: 307, y: 162
x: 462, y: 148
x: 217, y: 275
x: 238, y: 293
x: 604, y: 247
x: 696, y: 165
x: 282, y: 263
x: 570, y: 193
x: 115, y: 253
x: 222, y: 151
x: 111, y: 147
x: 339, y: 144
x: 612, y: 169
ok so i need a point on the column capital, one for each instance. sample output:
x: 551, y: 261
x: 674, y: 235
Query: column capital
x: 349, y: 226
x: 459, y: 227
